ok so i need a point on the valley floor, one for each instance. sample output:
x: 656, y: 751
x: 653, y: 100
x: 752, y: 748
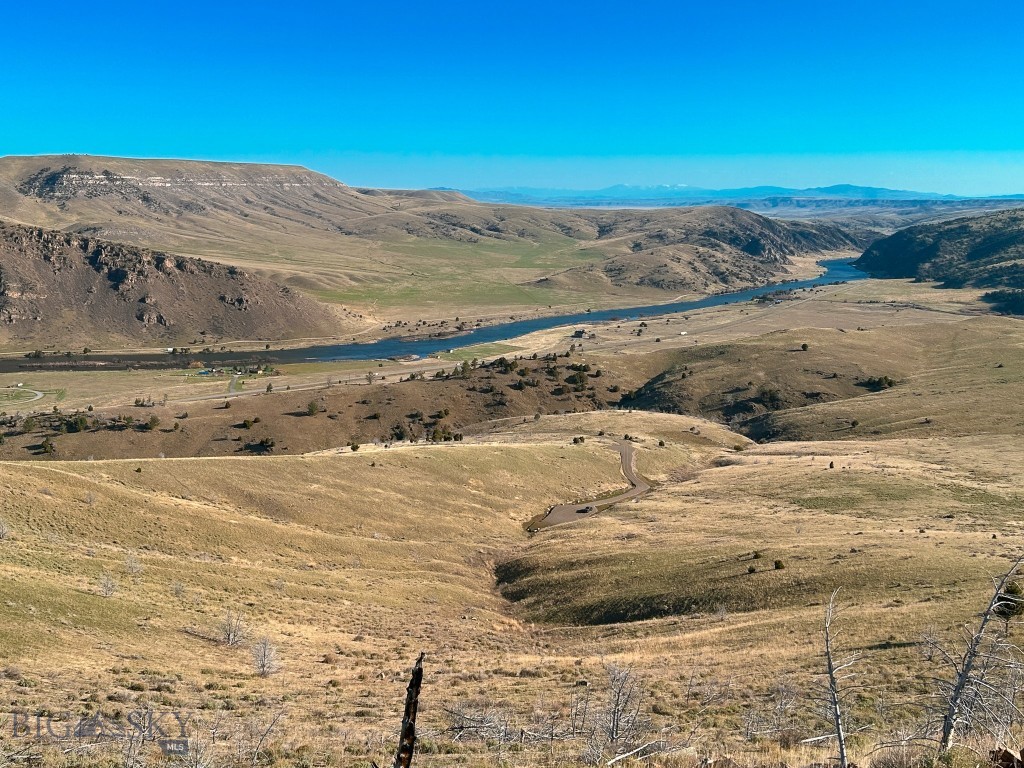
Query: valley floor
x: 120, y: 572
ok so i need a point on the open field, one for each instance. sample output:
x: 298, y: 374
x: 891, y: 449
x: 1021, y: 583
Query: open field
x: 892, y: 515
x: 814, y: 383
x: 865, y: 303
x: 352, y: 563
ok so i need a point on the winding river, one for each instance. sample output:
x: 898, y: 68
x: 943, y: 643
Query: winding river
x: 836, y: 270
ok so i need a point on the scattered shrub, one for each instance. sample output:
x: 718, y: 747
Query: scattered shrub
x: 108, y: 584
x: 264, y: 657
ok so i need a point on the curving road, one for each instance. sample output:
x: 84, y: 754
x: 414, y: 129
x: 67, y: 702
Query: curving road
x: 567, y: 513
x: 36, y: 395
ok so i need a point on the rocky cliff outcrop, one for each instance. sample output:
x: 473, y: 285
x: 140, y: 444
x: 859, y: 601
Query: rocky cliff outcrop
x: 64, y: 288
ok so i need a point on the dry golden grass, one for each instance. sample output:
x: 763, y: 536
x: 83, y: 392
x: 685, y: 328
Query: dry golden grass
x: 887, y: 517
x: 362, y: 560
x: 353, y: 563
x: 951, y: 378
x: 349, y: 409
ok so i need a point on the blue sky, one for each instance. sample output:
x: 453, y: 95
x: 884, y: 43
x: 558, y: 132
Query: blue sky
x: 923, y: 95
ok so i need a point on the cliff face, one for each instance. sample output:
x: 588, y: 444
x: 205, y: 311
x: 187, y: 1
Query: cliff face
x: 983, y: 251
x: 63, y: 288
x: 159, y: 193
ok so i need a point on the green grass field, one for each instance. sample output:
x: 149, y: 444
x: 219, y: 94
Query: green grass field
x: 480, y: 351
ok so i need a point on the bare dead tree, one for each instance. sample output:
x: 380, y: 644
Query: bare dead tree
x: 133, y: 750
x: 133, y: 567
x: 784, y: 699
x: 5, y: 531
x: 201, y: 744
x: 579, y: 709
x: 979, y: 693
x: 621, y: 722
x: 264, y: 657
x: 407, y: 739
x: 701, y: 697
x: 776, y: 719
x: 480, y: 721
x: 836, y: 675
x: 231, y: 630
x: 259, y: 733
x: 108, y: 584
x: 544, y: 725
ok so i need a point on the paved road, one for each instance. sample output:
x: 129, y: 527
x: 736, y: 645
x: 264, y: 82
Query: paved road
x: 567, y: 513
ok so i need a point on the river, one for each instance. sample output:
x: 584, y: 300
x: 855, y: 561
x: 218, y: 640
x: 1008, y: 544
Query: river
x: 836, y: 270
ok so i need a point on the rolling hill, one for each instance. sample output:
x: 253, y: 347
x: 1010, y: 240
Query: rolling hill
x: 76, y: 291
x: 699, y: 250
x: 982, y: 251
x: 920, y: 380
x: 398, y: 253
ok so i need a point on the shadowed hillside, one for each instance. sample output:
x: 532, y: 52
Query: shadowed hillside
x: 983, y: 252
x: 63, y: 288
x: 276, y: 420
x: 701, y: 250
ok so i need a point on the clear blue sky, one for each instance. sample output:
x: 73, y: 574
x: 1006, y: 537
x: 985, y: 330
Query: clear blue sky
x: 912, y: 94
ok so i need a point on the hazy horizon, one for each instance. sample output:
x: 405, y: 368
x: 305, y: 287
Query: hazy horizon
x: 586, y: 174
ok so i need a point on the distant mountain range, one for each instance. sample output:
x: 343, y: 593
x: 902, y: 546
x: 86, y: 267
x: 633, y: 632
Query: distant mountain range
x: 681, y: 194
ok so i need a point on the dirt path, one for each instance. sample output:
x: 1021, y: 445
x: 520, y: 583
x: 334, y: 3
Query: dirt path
x: 36, y: 395
x: 568, y: 513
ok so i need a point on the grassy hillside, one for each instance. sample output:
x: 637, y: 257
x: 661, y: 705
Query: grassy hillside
x: 406, y: 254
x: 915, y: 380
x: 900, y: 483
x: 267, y: 417
x: 772, y: 526
x: 983, y: 251
x: 118, y: 579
